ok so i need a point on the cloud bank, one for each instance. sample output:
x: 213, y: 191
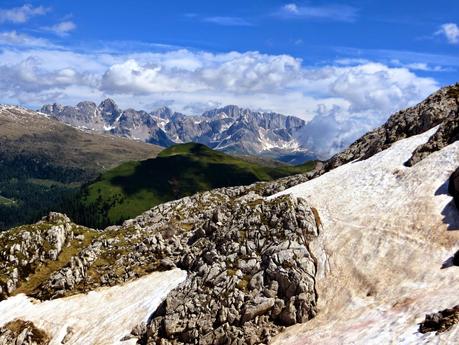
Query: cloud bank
x: 343, y: 101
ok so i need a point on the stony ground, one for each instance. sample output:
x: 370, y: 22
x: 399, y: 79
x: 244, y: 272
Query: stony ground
x: 22, y: 333
x: 250, y: 269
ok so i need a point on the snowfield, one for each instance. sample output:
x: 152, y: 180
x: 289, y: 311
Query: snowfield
x: 387, y: 230
x: 101, y: 317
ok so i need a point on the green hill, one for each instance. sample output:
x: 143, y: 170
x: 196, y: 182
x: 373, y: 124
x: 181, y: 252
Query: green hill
x: 134, y: 187
x: 43, y: 162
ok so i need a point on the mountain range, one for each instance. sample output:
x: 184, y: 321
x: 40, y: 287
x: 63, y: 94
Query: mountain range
x: 46, y: 164
x: 230, y: 129
x: 363, y: 249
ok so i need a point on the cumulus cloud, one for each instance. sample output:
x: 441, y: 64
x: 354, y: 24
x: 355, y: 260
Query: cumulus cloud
x: 365, y: 95
x: 329, y: 131
x: 62, y: 28
x: 32, y: 75
x: 21, y: 14
x: 336, y: 12
x: 450, y: 31
x: 340, y: 101
x: 232, y: 72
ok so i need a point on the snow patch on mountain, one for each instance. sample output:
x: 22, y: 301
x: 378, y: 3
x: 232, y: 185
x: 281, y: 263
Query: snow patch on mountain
x: 100, y: 317
x: 388, y: 229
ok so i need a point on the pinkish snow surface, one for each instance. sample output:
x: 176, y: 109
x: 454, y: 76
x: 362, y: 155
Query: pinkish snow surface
x: 101, y: 317
x: 387, y: 229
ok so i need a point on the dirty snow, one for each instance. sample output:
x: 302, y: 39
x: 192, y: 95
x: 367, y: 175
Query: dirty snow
x: 101, y: 317
x: 388, y: 229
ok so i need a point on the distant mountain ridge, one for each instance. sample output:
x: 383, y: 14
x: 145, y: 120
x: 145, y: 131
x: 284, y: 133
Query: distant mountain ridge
x: 43, y: 160
x: 230, y: 129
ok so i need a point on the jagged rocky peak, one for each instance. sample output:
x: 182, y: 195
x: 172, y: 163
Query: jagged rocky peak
x: 163, y: 112
x: 108, y: 104
x: 52, y: 108
x: 268, y: 134
x: 109, y: 110
x: 229, y: 110
x: 87, y: 107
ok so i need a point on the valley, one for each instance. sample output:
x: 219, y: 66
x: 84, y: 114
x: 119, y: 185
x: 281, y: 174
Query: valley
x: 181, y: 170
x: 43, y: 162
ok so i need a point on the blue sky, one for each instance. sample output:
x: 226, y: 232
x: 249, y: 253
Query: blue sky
x: 349, y: 63
x: 316, y: 31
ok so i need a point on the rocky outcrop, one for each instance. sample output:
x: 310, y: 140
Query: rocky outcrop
x: 441, y: 321
x: 27, y: 250
x: 439, y: 108
x: 447, y: 133
x: 64, y: 280
x: 453, y: 186
x: 250, y: 269
x: 56, y: 258
x: 250, y: 273
x: 20, y: 332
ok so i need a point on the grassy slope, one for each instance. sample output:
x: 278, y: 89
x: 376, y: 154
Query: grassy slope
x: 131, y: 188
x: 43, y: 160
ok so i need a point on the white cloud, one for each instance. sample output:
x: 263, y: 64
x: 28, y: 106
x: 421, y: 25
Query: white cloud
x: 62, y: 28
x: 450, y: 31
x: 421, y: 66
x: 335, y: 12
x: 13, y: 38
x: 21, y: 14
x: 231, y: 72
x: 228, y: 21
x: 344, y: 101
x: 365, y: 95
x: 131, y: 77
x: 291, y: 8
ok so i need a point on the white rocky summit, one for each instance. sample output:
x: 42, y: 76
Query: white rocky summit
x: 230, y: 129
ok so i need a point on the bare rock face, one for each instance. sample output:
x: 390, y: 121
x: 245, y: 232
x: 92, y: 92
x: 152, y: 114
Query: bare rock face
x: 21, y: 332
x: 447, y: 133
x: 250, y: 273
x: 439, y: 108
x: 26, y: 249
x: 453, y: 186
x: 250, y: 269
